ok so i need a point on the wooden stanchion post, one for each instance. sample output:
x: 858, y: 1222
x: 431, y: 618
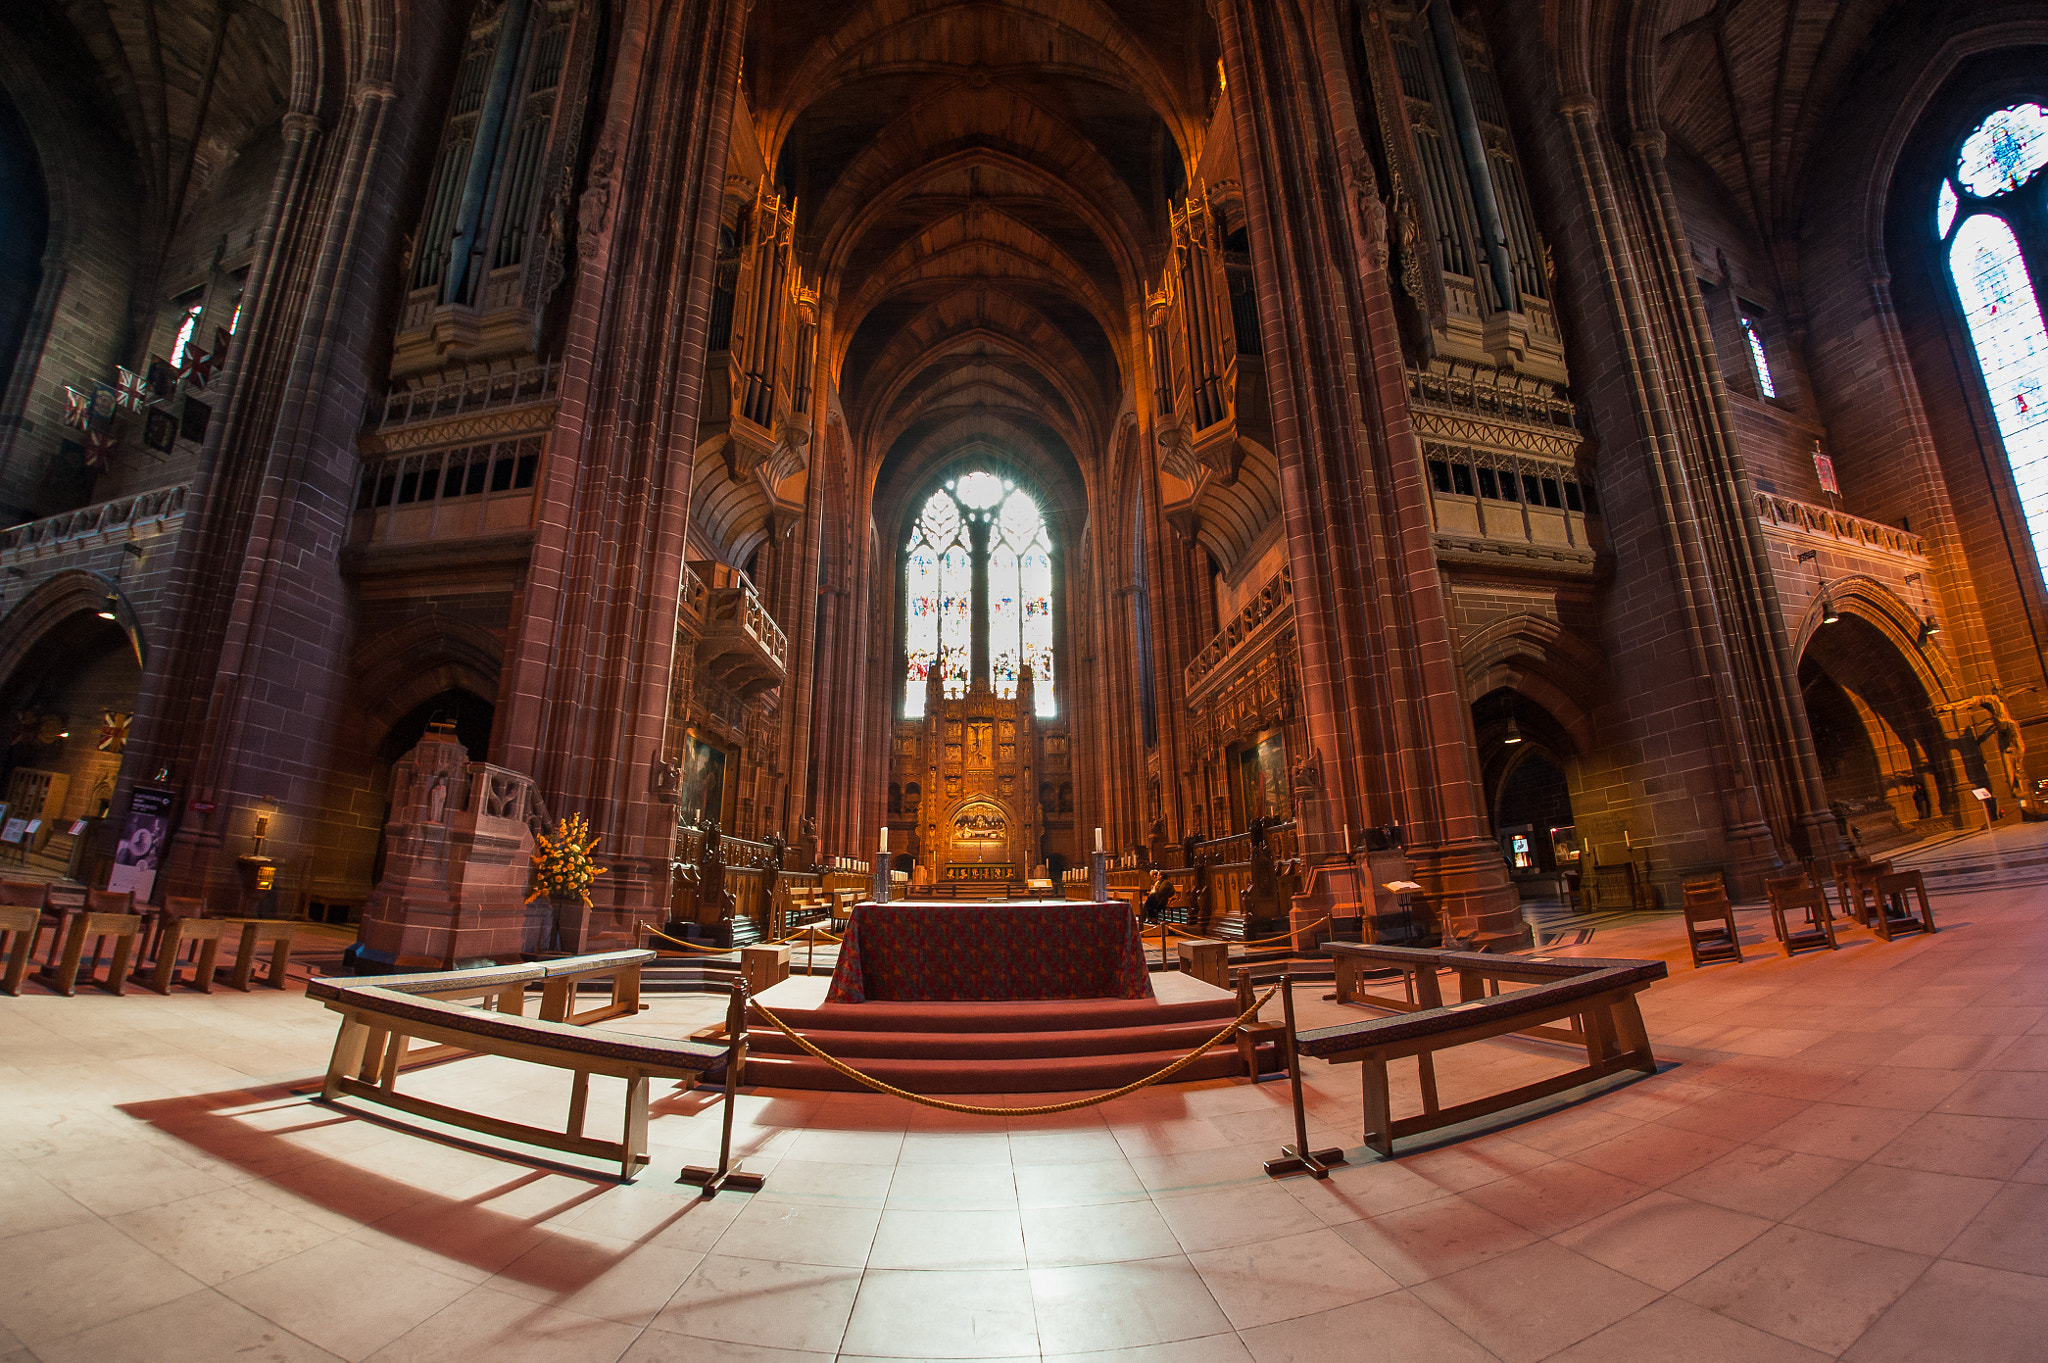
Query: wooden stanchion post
x: 1298, y: 1158
x: 725, y: 1176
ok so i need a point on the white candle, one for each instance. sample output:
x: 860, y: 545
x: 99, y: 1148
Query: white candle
x: 1098, y: 840
x: 885, y: 837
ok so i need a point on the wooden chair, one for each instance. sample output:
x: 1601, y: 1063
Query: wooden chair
x: 1774, y: 884
x: 33, y: 894
x: 1855, y: 881
x: 124, y: 928
x: 1891, y: 914
x: 203, y: 934
x: 1710, y: 929
x: 22, y: 923
x: 1819, y: 929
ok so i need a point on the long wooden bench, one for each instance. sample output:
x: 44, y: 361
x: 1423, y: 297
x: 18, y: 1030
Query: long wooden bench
x: 382, y: 1015
x: 1598, y: 995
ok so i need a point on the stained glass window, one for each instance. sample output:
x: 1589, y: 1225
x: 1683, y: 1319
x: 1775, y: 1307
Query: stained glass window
x: 1945, y: 209
x: 938, y: 571
x: 2004, y: 151
x: 2012, y: 351
x: 1758, y: 359
x: 939, y: 587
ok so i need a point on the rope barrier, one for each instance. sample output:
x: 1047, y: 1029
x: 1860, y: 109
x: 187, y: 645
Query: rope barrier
x: 687, y: 946
x: 1165, y: 928
x: 1043, y: 1110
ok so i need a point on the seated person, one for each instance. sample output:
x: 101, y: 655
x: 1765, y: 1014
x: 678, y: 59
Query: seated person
x: 1157, y: 896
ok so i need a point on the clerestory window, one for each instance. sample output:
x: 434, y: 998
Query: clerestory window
x: 1989, y: 215
x: 977, y: 590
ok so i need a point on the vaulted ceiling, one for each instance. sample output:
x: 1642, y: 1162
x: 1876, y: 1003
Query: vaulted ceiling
x: 981, y: 189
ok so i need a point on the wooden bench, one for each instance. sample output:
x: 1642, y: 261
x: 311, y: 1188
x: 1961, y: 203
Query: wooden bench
x: 203, y: 936
x: 1599, y: 995
x: 381, y: 1016
x: 21, y: 923
x: 254, y: 932
x: 124, y: 928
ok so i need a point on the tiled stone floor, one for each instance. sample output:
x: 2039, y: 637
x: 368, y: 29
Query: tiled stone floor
x: 1844, y: 1156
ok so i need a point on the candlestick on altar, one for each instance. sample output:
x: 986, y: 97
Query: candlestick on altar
x: 1098, y: 841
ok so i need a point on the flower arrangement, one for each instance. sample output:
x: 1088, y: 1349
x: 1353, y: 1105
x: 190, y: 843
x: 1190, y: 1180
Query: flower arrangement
x: 563, y: 868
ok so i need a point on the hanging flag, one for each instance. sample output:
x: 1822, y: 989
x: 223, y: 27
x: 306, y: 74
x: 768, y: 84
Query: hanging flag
x: 193, y: 420
x: 160, y: 430
x: 220, y: 347
x: 104, y: 401
x: 198, y: 365
x: 1824, y: 468
x: 113, y: 730
x: 162, y: 379
x: 98, y: 445
x: 77, y: 409
x: 130, y: 389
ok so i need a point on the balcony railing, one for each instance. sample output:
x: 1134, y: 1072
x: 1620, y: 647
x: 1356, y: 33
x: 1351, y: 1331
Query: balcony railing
x: 1822, y: 522
x: 743, y: 647
x: 476, y: 490
x: 123, y: 518
x: 1262, y: 616
x: 477, y: 393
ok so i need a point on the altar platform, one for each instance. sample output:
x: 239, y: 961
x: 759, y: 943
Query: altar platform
x: 1009, y: 951
x: 1024, y: 1046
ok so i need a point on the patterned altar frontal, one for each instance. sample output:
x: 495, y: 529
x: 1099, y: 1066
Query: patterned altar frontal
x: 990, y: 952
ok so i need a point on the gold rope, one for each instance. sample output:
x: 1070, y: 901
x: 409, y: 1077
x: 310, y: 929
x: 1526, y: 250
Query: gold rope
x: 1165, y: 928
x: 687, y: 946
x: 882, y: 1086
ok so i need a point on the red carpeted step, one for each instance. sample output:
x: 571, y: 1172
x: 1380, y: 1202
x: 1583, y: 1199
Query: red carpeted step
x: 1177, y: 1039
x: 1071, y: 1074
x: 1061, y: 1015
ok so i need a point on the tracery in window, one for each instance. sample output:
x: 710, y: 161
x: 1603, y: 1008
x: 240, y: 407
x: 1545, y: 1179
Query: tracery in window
x: 1945, y: 209
x: 1758, y: 360
x: 2004, y: 151
x: 2004, y: 319
x: 979, y: 513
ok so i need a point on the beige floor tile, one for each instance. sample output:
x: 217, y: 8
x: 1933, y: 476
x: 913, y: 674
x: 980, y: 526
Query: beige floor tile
x: 1653, y: 1155
x: 201, y: 1327
x: 1907, y: 1209
x: 1396, y: 1328
x: 2011, y: 1232
x: 956, y: 1148
x: 1838, y: 1129
x: 1975, y: 1147
x: 1058, y: 1148
x: 222, y: 1235
x: 600, y: 1276
x: 1762, y: 1180
x: 488, y: 1324
x: 942, y: 1315
x: 1995, y: 1093
x: 1224, y: 1348
x: 1670, y: 1330
x: 1663, y: 1239
x: 948, y: 1240
x: 801, y: 1233
x: 1367, y: 1187
x: 1294, y: 1276
x: 658, y: 1346
x: 1434, y: 1239
x: 384, y: 1295
x: 1734, y: 1114
x: 1087, y: 1183
x: 29, y: 1202
x: 1555, y: 1196
x: 1086, y: 1308
x: 57, y: 1282
x: 1818, y: 1290
x: 1236, y: 1216
x: 953, y: 1188
x: 1910, y: 1090
x: 825, y: 1182
x: 1961, y: 1311
x: 1056, y: 1237
x: 1529, y: 1304
x: 751, y: 1301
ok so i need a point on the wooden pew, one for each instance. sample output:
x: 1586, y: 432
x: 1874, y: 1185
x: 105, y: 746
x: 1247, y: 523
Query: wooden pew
x: 124, y: 928
x: 255, y: 932
x: 1598, y: 994
x: 20, y: 923
x: 379, y: 1018
x: 203, y: 935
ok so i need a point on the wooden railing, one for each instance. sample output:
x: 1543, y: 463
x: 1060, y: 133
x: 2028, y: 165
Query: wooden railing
x: 1265, y: 614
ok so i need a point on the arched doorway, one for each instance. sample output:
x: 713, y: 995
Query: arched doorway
x: 1527, y: 763
x: 66, y: 707
x: 1883, y: 761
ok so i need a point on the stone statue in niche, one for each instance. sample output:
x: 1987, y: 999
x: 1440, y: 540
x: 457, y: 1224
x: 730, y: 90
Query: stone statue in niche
x: 1262, y: 897
x: 437, y: 798
x: 1982, y: 723
x: 807, y: 844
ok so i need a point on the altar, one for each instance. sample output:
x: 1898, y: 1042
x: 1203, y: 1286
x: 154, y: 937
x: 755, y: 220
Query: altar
x: 1020, y: 949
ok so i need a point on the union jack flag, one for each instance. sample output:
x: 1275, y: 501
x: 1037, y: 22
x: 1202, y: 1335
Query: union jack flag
x: 198, y: 365
x: 98, y: 445
x: 113, y: 731
x: 131, y: 390
x: 77, y: 409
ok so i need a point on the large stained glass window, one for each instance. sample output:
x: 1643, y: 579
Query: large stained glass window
x: 939, y: 599
x: 1981, y: 214
x: 2012, y: 350
x: 979, y: 509
x: 1758, y: 360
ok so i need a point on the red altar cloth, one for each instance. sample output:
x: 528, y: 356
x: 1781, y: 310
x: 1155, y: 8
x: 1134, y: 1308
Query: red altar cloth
x: 1030, y: 949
